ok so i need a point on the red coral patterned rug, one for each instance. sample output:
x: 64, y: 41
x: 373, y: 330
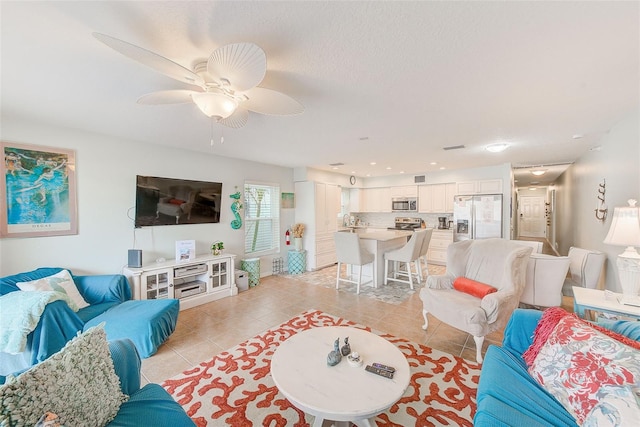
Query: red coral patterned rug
x: 235, y: 387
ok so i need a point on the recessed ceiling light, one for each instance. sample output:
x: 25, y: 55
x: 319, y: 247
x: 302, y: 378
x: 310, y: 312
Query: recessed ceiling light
x: 496, y: 148
x: 335, y: 168
x: 373, y: 163
x: 577, y: 136
x: 532, y: 188
x: 442, y: 168
x: 596, y: 148
x: 538, y: 172
x: 401, y: 171
x: 368, y: 174
x: 433, y: 163
x: 388, y: 168
x: 353, y: 172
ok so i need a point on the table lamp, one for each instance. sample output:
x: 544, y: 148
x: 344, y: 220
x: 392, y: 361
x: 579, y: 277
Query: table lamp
x: 625, y: 231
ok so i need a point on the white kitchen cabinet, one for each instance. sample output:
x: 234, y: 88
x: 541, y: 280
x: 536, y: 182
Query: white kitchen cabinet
x: 490, y: 186
x: 436, y: 198
x: 203, y: 279
x: 355, y: 200
x: 440, y: 241
x: 318, y: 207
x: 404, y: 191
x: 486, y: 186
x: 466, y: 187
x: 377, y: 199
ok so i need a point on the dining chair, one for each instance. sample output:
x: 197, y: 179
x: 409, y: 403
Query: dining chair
x: 423, y: 254
x: 349, y: 251
x: 407, y: 256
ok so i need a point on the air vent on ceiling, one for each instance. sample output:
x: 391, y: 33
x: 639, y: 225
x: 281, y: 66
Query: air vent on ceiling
x: 418, y: 179
x: 336, y: 164
x: 453, y: 147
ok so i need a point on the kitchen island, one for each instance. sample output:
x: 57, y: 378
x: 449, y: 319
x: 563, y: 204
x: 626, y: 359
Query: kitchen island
x: 378, y: 242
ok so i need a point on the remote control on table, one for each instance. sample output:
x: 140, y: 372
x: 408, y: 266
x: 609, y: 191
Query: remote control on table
x: 378, y: 371
x: 384, y: 367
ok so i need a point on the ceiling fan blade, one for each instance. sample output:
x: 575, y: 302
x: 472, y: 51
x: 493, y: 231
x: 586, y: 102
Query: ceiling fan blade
x: 271, y: 102
x: 243, y: 65
x: 237, y: 119
x: 153, y: 60
x: 167, y: 97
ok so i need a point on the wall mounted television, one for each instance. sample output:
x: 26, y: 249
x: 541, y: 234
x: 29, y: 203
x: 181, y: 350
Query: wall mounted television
x: 169, y: 201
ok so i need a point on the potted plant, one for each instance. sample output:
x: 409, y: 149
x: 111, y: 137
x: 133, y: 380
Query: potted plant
x: 298, y: 231
x: 217, y: 247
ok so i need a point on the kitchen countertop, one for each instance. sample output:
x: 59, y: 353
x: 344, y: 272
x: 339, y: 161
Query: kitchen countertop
x: 384, y: 235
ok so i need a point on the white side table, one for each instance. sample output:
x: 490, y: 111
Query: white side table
x: 340, y: 393
x: 595, y: 299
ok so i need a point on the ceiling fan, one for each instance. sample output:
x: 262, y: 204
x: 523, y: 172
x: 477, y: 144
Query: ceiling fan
x: 227, y: 82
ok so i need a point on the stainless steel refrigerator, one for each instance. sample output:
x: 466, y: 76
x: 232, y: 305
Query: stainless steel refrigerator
x: 477, y: 217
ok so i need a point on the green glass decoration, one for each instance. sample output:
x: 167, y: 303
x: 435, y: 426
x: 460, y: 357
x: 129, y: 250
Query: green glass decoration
x: 235, y: 208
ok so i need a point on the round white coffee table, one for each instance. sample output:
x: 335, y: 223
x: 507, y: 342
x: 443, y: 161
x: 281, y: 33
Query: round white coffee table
x: 342, y: 392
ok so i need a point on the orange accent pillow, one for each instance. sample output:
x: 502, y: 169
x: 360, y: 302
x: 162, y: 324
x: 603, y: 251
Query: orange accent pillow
x: 471, y: 287
x: 176, y: 201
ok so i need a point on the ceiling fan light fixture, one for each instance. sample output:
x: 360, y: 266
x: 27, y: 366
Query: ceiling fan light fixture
x: 214, y: 104
x: 538, y: 172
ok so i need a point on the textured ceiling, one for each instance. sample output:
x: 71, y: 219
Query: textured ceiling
x: 385, y: 82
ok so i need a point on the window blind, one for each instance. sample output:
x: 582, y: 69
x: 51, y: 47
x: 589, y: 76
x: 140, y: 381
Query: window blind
x: 262, y: 218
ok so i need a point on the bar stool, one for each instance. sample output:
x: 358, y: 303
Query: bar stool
x: 349, y: 251
x: 408, y: 254
x: 423, y: 253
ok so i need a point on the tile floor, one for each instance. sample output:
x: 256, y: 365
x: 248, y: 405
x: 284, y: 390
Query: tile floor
x: 206, y: 330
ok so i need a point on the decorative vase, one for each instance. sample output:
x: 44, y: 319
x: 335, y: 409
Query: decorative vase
x: 216, y: 251
x: 297, y: 242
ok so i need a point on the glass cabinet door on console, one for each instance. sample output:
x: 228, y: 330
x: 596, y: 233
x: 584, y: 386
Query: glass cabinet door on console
x: 156, y: 284
x: 220, y: 274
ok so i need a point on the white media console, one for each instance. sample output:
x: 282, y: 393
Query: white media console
x: 203, y: 279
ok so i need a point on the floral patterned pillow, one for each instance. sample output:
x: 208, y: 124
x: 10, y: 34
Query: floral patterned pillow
x: 79, y: 384
x: 577, y: 361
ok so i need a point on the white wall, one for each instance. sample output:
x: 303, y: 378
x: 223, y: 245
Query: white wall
x: 106, y: 178
x: 617, y: 162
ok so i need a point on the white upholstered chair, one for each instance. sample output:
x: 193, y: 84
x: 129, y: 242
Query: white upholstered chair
x: 499, y: 263
x: 349, y: 251
x: 545, y: 277
x: 423, y: 253
x: 535, y: 245
x: 585, y: 269
x: 408, y: 256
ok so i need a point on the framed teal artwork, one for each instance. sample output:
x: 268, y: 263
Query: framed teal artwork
x: 38, y: 191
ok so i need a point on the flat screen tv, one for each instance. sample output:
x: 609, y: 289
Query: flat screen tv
x: 169, y: 201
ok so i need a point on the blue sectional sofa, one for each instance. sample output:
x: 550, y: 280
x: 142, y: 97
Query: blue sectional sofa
x: 150, y: 405
x: 146, y: 323
x: 507, y: 394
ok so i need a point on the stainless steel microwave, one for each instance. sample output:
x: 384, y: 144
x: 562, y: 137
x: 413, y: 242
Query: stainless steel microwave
x: 404, y: 204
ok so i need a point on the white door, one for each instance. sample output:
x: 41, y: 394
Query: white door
x: 531, y: 217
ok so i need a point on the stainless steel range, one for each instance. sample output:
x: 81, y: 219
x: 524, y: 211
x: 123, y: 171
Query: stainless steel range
x: 406, y: 223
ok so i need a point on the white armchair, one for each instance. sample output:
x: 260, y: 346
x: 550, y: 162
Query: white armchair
x: 496, y: 262
x: 585, y: 269
x: 544, y: 279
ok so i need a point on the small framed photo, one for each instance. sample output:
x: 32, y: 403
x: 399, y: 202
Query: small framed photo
x: 288, y: 200
x: 38, y: 191
x: 185, y: 250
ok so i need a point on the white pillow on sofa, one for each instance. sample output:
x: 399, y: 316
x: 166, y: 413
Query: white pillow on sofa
x: 59, y: 282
